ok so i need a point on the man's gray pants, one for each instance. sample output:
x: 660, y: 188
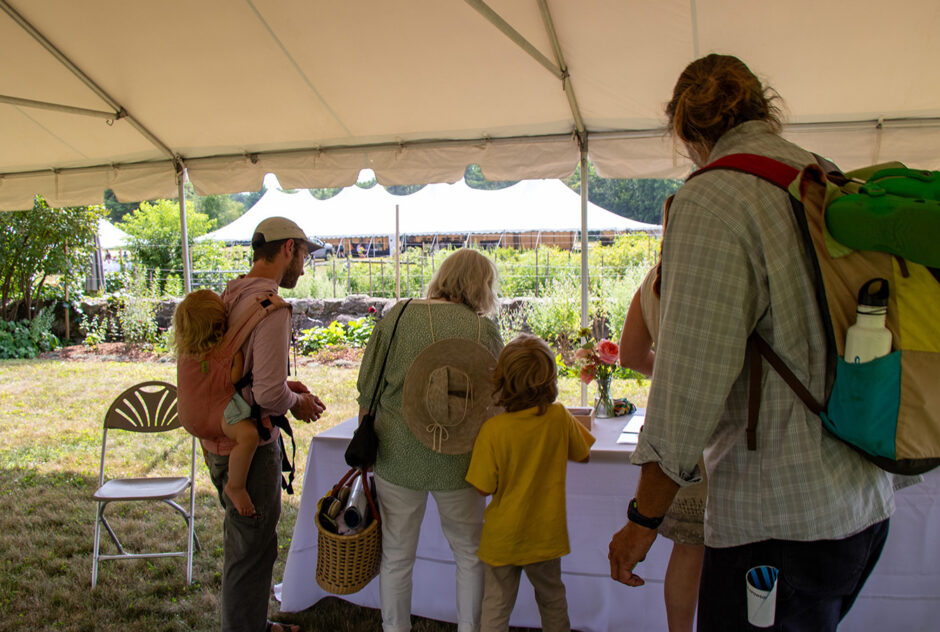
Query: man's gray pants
x: 250, y: 543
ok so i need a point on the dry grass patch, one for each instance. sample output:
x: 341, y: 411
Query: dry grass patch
x: 51, y: 413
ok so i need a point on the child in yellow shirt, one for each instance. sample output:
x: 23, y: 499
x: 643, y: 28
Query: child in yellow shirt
x: 520, y: 457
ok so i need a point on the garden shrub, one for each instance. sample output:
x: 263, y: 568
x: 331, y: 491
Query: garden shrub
x: 96, y: 330
x: 25, y: 339
x: 136, y: 312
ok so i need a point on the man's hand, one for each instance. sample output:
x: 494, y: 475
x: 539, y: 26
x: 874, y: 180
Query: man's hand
x: 308, y: 407
x: 297, y: 387
x: 628, y: 548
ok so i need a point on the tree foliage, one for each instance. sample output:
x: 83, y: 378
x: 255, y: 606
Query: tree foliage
x: 38, y: 244
x: 404, y: 189
x: 325, y: 194
x: 639, y: 199
x: 475, y: 180
x: 155, y: 231
x: 223, y: 209
x: 249, y: 198
x: 117, y: 210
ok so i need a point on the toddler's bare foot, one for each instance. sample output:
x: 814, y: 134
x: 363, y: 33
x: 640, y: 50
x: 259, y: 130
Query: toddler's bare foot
x: 240, y: 498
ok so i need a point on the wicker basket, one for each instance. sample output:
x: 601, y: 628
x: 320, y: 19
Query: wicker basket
x: 346, y: 563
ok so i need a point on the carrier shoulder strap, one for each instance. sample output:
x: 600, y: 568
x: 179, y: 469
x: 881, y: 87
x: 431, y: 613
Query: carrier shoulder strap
x: 239, y: 330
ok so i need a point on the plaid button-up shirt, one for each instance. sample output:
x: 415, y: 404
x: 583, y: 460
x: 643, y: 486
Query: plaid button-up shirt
x: 733, y: 262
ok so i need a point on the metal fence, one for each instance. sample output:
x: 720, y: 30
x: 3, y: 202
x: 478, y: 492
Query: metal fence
x: 376, y: 276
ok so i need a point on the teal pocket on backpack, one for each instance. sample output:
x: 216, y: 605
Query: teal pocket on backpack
x: 863, y: 406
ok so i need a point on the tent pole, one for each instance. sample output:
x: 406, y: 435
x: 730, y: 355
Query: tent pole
x: 397, y: 258
x: 187, y: 265
x: 67, y: 304
x: 584, y: 249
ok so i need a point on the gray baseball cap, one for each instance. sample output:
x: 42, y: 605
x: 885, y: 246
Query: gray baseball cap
x: 277, y: 228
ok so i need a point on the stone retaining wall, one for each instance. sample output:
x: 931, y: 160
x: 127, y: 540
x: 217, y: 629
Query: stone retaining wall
x: 308, y: 312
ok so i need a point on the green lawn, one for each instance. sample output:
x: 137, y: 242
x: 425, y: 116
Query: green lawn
x: 50, y: 435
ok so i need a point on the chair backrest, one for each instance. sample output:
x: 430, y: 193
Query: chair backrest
x: 144, y: 407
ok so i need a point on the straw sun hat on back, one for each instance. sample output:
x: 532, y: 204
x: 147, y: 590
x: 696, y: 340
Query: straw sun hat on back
x: 447, y: 394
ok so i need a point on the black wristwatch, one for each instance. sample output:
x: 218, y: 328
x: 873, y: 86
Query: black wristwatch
x: 633, y: 515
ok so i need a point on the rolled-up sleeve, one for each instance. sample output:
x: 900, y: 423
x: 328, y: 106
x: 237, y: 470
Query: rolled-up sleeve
x: 709, y: 305
x: 270, y: 353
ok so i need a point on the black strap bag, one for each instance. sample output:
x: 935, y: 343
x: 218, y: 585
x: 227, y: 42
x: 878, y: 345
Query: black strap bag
x: 364, y: 445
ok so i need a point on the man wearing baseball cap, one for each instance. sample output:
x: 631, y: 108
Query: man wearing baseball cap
x: 250, y: 544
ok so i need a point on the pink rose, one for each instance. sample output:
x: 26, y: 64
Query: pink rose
x: 608, y: 352
x: 587, y: 373
x: 582, y: 354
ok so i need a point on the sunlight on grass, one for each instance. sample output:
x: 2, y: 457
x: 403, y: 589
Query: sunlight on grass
x: 51, y: 415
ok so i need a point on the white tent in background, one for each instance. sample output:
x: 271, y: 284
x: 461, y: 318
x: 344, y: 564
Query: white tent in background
x: 110, y: 237
x: 437, y: 209
x: 546, y: 205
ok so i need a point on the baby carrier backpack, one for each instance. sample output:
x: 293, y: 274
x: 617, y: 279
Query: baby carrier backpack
x: 881, y: 222
x: 204, y: 385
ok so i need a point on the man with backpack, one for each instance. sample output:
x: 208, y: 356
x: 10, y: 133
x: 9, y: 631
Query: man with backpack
x: 250, y: 542
x: 792, y: 497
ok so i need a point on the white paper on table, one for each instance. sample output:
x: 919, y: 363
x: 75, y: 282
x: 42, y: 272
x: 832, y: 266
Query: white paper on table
x: 631, y: 431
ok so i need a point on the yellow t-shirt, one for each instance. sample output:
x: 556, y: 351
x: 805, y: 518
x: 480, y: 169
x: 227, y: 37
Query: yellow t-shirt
x: 522, y: 458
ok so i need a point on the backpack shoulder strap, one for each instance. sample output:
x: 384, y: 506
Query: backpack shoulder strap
x: 781, y: 175
x: 769, y: 169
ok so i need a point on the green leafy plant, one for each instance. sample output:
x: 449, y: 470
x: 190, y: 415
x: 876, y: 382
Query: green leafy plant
x: 96, y: 330
x: 356, y: 333
x: 512, y: 321
x: 25, y: 339
x: 135, y: 310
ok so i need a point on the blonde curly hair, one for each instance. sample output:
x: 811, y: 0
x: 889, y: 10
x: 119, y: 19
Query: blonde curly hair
x: 467, y: 277
x: 198, y: 323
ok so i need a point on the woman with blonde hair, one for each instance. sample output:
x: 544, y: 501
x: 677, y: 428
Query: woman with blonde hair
x: 433, y: 397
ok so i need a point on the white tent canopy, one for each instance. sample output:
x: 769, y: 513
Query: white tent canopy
x: 110, y: 237
x: 531, y: 205
x: 125, y: 95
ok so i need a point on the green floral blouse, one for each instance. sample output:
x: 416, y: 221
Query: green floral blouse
x: 402, y: 459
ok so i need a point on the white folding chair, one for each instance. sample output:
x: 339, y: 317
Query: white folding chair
x: 148, y: 407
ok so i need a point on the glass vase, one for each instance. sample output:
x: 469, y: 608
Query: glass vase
x: 603, y: 403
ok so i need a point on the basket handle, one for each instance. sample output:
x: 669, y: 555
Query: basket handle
x: 372, y: 506
x: 365, y: 487
x: 342, y: 481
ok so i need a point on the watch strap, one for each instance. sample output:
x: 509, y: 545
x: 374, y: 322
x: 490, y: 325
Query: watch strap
x: 634, y: 515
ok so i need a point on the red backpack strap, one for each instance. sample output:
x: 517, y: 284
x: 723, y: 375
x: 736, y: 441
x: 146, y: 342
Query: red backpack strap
x: 769, y: 169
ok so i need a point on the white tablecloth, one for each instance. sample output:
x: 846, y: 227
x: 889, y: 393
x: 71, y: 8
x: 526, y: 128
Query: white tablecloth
x: 902, y: 594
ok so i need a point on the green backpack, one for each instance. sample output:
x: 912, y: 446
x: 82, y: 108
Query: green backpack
x: 879, y: 222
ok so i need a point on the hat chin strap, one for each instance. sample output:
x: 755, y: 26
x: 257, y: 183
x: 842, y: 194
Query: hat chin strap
x: 438, y: 430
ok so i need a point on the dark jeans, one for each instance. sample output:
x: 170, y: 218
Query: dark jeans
x: 250, y: 543
x: 817, y: 585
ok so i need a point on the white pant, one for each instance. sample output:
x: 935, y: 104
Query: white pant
x: 402, y: 511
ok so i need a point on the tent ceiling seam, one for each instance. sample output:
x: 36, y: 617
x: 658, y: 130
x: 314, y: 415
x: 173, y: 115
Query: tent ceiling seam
x: 88, y: 81
x: 293, y: 62
x: 53, y: 135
